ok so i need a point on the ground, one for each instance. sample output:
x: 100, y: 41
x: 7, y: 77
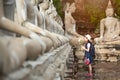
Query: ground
x: 101, y: 71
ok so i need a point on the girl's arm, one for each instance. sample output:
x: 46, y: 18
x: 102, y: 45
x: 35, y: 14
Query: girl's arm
x: 88, y: 47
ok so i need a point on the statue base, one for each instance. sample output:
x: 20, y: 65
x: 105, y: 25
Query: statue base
x: 107, y: 52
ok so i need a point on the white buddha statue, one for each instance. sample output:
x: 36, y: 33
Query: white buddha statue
x: 70, y: 25
x: 109, y: 27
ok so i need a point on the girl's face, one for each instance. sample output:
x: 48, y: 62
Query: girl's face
x: 86, y: 40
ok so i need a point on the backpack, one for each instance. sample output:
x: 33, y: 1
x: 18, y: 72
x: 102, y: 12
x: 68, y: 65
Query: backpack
x: 92, y: 50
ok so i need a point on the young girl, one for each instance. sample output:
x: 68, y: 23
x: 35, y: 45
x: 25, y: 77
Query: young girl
x: 88, y: 55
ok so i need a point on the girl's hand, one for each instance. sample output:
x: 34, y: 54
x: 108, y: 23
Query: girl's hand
x: 83, y: 47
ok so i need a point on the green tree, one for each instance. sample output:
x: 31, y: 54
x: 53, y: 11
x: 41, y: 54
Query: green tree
x: 116, y: 6
x: 95, y: 14
x: 97, y: 11
x: 58, y: 6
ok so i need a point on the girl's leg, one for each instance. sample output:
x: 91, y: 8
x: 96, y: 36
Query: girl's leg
x: 90, y: 69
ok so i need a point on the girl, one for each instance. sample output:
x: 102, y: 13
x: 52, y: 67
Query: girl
x: 88, y: 56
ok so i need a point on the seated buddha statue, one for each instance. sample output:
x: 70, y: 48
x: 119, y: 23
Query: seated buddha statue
x: 109, y: 27
x: 70, y: 25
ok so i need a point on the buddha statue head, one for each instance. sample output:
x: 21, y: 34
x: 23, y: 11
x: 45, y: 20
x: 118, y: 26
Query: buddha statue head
x: 69, y: 8
x: 45, y: 5
x: 72, y: 8
x: 109, y: 10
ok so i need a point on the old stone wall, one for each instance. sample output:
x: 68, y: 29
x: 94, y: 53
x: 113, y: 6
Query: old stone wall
x: 32, y: 41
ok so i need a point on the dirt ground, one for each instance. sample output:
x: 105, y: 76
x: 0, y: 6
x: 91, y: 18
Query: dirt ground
x: 101, y: 71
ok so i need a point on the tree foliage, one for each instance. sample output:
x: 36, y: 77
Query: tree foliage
x: 96, y: 10
x: 58, y: 6
x: 116, y: 5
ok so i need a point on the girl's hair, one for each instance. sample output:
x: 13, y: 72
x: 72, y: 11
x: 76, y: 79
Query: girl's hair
x: 88, y: 41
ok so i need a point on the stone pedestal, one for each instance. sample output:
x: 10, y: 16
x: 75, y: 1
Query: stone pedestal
x: 107, y: 52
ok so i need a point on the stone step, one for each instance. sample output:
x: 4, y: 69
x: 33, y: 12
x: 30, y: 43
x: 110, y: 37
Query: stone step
x: 69, y: 76
x: 68, y: 79
x: 69, y: 71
